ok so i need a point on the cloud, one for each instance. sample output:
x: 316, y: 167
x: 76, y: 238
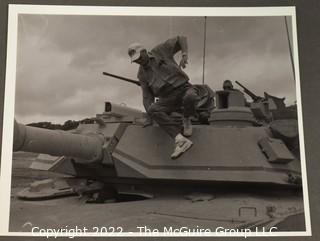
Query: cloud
x: 61, y: 59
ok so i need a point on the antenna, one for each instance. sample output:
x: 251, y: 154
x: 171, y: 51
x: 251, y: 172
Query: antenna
x: 290, y: 48
x: 204, y: 48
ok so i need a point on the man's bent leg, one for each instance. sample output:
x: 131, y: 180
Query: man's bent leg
x: 158, y: 113
x: 190, y: 100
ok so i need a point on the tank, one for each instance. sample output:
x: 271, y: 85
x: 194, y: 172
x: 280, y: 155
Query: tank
x: 244, y: 167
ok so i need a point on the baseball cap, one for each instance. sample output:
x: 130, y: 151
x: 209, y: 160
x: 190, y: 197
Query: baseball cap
x: 134, y: 51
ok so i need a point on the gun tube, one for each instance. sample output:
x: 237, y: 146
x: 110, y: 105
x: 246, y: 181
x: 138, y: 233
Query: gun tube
x: 57, y: 143
x: 136, y: 82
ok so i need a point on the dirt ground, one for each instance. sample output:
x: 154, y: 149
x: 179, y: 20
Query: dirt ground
x: 22, y: 175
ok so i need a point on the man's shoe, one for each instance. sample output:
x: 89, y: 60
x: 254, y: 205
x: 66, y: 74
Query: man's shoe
x: 182, y: 145
x: 187, y: 126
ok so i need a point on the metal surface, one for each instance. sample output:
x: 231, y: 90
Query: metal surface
x: 57, y: 143
x: 236, y: 157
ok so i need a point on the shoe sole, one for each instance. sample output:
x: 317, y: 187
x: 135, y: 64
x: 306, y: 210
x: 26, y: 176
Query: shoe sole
x: 187, y: 147
x: 187, y: 131
x: 186, y: 134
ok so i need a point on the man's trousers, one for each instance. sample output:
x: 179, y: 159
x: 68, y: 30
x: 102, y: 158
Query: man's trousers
x: 183, y: 99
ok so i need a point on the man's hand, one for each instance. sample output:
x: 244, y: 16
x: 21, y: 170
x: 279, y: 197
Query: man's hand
x: 183, y: 61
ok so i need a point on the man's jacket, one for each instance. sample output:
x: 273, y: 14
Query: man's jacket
x: 162, y: 74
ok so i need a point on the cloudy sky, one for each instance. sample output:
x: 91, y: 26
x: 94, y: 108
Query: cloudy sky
x: 61, y: 59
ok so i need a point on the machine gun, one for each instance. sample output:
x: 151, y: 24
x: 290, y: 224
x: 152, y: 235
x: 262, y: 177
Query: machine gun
x: 254, y: 97
x: 122, y: 78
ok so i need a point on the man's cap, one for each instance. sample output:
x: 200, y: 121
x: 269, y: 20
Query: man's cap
x: 134, y: 51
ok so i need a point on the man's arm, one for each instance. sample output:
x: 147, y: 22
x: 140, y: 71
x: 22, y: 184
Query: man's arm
x: 182, y: 41
x: 173, y: 45
x: 184, y: 51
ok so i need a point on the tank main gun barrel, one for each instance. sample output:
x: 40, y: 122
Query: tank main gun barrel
x: 57, y: 143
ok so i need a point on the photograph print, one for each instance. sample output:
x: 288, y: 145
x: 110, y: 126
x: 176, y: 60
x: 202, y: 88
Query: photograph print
x: 149, y: 122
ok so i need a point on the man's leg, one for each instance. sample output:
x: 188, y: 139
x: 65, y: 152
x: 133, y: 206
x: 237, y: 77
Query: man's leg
x: 160, y: 113
x: 190, y: 100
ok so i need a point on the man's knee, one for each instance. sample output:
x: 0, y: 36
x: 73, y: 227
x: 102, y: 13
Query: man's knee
x: 190, y: 97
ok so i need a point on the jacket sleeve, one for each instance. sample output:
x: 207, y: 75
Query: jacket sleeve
x: 170, y: 47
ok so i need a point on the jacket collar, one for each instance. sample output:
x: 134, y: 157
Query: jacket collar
x: 151, y: 55
x: 154, y: 59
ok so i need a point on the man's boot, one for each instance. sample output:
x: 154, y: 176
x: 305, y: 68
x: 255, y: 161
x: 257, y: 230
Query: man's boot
x: 182, y: 145
x: 187, y: 126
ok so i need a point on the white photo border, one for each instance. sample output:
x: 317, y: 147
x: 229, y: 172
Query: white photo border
x: 9, y: 102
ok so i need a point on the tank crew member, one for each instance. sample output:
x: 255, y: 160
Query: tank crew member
x: 160, y: 76
x: 227, y: 85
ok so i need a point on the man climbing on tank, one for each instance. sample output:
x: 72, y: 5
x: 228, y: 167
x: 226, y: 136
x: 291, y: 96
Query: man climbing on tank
x: 160, y: 76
